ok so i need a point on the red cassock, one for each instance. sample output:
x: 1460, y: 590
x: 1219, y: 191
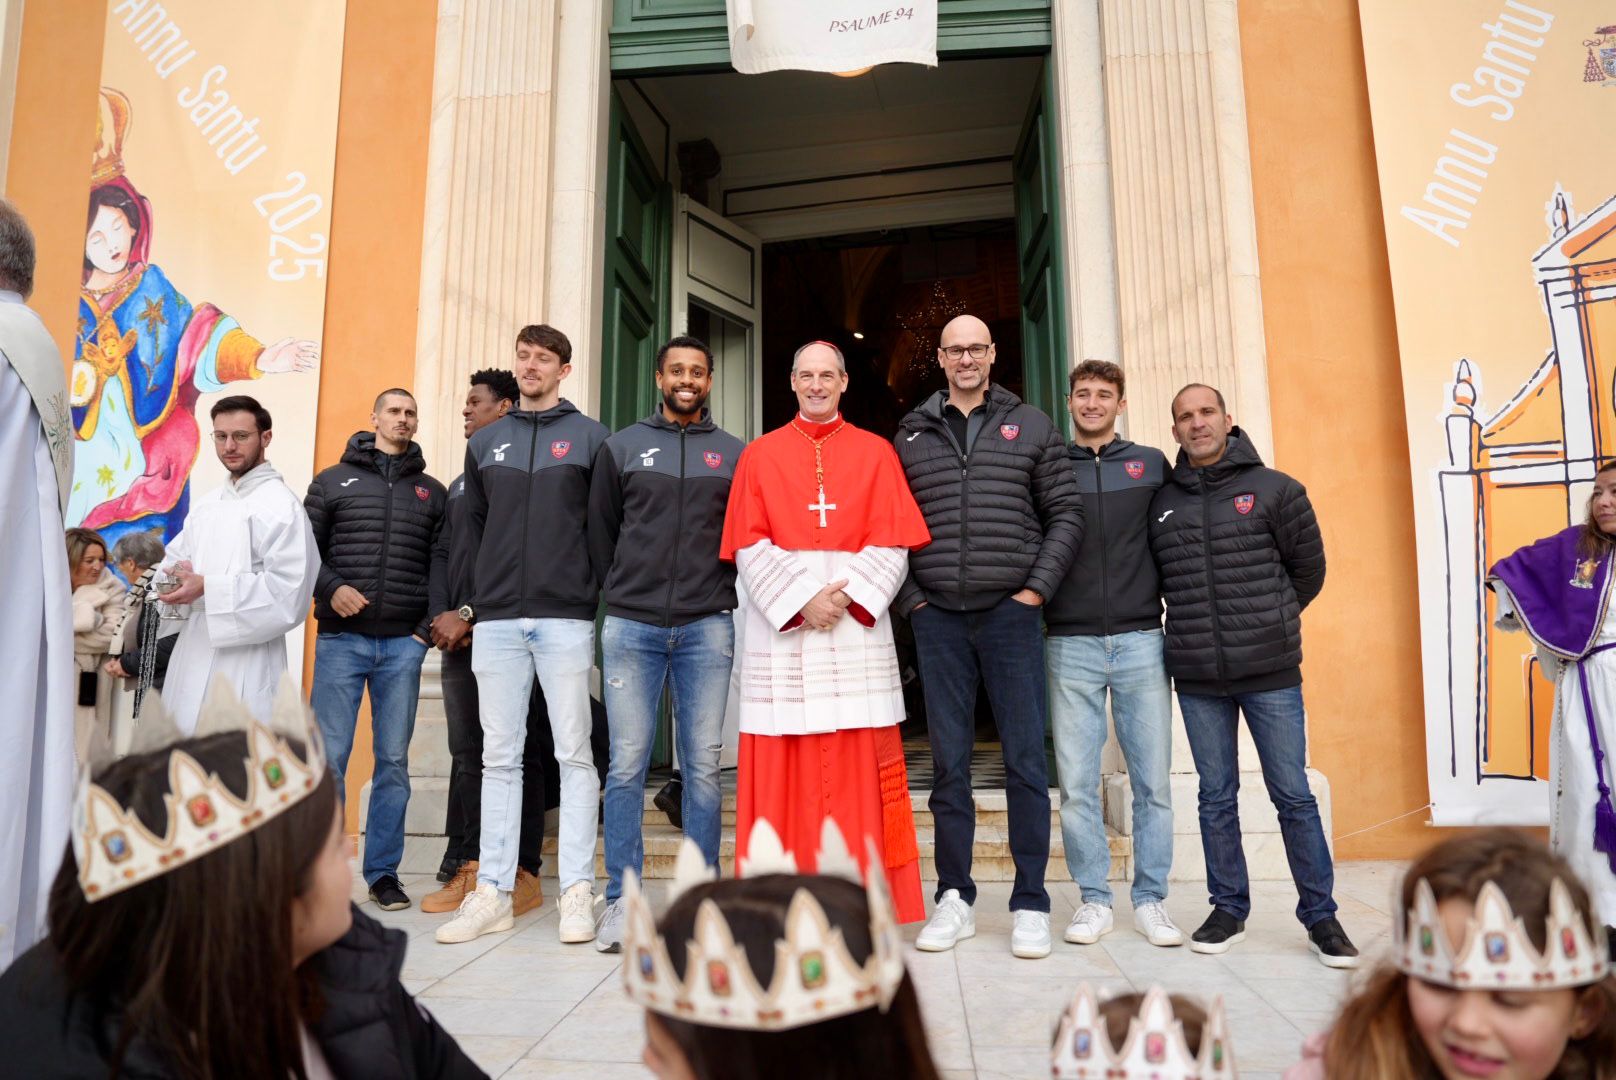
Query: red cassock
x: 854, y: 773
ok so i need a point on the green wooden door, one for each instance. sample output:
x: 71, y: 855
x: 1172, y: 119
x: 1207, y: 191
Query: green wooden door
x: 1038, y: 242
x: 638, y: 241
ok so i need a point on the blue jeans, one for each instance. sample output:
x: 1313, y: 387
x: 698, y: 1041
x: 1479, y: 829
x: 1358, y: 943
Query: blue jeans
x: 1081, y: 669
x: 344, y: 663
x: 1277, y: 723
x: 1003, y: 648
x: 637, y: 660
x: 505, y: 656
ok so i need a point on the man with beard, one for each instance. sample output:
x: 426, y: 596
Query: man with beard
x: 246, y: 564
x: 375, y: 514
x: 668, y: 604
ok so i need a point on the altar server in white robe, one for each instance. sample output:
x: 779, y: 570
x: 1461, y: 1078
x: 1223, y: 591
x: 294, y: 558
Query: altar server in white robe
x: 36, y: 638
x: 246, y: 564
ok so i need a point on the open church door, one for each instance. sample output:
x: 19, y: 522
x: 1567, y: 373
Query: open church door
x: 635, y: 320
x: 717, y: 296
x: 1036, y: 166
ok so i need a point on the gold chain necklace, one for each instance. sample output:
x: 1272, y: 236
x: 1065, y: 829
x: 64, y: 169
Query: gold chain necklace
x: 821, y: 507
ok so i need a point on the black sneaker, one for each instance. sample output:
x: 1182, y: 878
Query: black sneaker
x: 449, y: 867
x: 388, y: 894
x: 670, y: 800
x: 1220, y: 931
x: 1331, y: 944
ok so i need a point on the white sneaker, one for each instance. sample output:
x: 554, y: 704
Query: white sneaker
x: 1091, y: 922
x: 951, y: 923
x: 485, y: 910
x: 577, y: 908
x: 1030, y: 938
x: 609, y: 934
x: 1151, y: 919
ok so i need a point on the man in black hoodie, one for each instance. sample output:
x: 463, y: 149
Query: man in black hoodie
x: 375, y: 516
x: 533, y: 600
x: 1105, y: 641
x: 1241, y: 555
x: 656, y: 514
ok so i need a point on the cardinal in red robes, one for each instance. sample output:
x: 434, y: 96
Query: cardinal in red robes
x: 820, y: 525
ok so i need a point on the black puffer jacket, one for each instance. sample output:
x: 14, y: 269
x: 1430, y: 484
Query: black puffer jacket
x: 369, y: 1025
x: 1240, y: 555
x: 1004, y: 514
x: 375, y: 517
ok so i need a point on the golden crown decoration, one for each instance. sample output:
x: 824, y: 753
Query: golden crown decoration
x: 1497, y: 953
x: 116, y: 851
x: 1155, y: 1047
x: 815, y: 977
x: 112, y: 119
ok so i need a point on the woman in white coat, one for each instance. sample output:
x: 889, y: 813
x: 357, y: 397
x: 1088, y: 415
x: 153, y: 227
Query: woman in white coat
x: 98, y: 614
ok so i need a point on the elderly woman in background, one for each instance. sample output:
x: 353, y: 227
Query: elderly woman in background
x: 136, y: 556
x: 98, y: 615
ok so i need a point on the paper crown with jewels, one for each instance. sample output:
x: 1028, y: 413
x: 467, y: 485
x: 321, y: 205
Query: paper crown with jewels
x: 815, y: 976
x: 115, y: 850
x: 112, y: 119
x: 1497, y: 953
x: 1155, y: 1047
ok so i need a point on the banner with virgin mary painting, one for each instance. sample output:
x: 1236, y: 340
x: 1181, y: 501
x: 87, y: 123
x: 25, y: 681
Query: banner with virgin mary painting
x: 205, y: 248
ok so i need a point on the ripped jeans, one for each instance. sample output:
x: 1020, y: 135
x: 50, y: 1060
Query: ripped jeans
x: 637, y: 660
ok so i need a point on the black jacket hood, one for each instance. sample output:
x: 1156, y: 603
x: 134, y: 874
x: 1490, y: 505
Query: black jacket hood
x: 1239, y: 454
x: 997, y: 399
x: 362, y: 452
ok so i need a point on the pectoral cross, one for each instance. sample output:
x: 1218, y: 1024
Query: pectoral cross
x: 821, y: 506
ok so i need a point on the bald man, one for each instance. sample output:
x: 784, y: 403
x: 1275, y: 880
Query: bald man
x: 992, y: 478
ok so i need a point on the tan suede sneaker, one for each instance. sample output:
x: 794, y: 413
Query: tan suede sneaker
x: 449, y: 897
x: 528, y: 895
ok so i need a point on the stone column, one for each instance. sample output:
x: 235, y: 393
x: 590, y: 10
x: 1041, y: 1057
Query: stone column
x: 1185, y: 227
x: 488, y: 202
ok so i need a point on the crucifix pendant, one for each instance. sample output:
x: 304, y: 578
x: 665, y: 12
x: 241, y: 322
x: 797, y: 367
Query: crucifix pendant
x: 821, y: 506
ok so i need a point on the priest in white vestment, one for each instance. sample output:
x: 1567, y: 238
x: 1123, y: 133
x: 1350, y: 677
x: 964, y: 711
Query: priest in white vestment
x: 820, y: 524
x: 36, y: 638
x: 246, y: 564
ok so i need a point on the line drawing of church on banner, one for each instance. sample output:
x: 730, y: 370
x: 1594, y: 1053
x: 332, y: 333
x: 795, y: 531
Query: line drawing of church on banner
x: 1520, y: 474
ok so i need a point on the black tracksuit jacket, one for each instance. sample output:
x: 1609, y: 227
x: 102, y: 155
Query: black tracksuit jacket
x: 1004, y: 513
x: 1112, y: 587
x: 656, y: 513
x: 375, y: 517
x: 1240, y: 555
x: 523, y: 531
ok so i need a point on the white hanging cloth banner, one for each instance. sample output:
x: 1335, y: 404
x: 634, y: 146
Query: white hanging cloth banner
x: 830, y: 35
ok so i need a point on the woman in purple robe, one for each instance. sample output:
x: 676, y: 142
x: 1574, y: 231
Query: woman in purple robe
x: 1559, y: 590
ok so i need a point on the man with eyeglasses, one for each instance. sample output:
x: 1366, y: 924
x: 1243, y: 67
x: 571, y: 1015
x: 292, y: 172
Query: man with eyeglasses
x: 246, y: 563
x: 992, y: 478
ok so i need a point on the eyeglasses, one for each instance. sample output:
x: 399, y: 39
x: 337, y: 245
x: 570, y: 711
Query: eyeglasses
x: 240, y: 438
x: 955, y: 352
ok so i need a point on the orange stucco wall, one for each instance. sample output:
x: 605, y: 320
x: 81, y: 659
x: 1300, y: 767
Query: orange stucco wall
x: 1336, y: 393
x: 380, y: 190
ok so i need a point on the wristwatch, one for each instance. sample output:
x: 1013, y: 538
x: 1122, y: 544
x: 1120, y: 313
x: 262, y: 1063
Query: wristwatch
x: 465, y: 613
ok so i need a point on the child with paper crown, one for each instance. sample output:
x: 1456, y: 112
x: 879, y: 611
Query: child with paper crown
x: 201, y: 927
x: 1499, y: 969
x: 778, y: 974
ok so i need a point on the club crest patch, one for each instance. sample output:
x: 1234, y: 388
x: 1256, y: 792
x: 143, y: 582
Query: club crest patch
x: 1011, y: 432
x: 1244, y: 503
x: 422, y: 493
x: 559, y: 448
x: 1136, y: 469
x: 712, y: 458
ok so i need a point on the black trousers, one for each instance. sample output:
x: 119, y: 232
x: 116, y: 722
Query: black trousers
x: 539, y: 768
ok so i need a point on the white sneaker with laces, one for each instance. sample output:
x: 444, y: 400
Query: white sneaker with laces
x: 609, y: 933
x: 485, y: 910
x: 1151, y: 920
x: 577, y: 908
x: 951, y: 923
x: 1091, y: 922
x: 1030, y: 937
